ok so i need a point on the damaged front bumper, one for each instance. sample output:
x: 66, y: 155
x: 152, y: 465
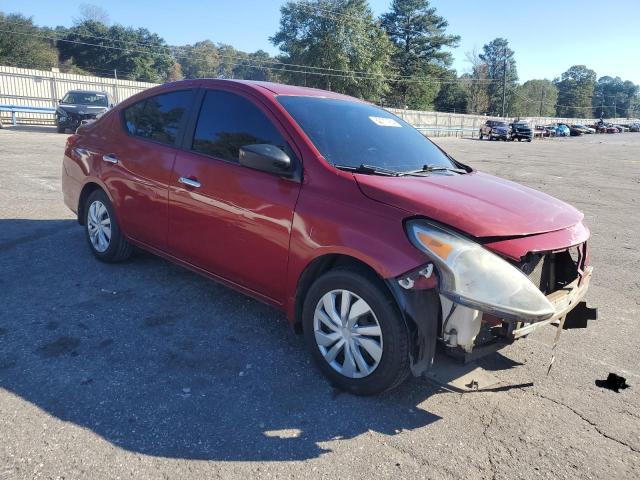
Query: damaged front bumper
x: 570, y: 310
x: 469, y: 334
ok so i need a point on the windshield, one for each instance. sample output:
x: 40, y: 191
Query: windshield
x: 352, y: 134
x: 86, y: 98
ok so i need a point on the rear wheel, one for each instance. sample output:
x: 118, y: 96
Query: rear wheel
x: 355, y: 332
x: 61, y: 129
x: 103, y: 232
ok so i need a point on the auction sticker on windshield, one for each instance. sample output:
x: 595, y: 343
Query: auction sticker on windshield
x: 385, y: 122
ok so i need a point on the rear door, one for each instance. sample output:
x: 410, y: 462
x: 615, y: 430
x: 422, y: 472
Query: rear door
x: 232, y: 221
x: 138, y: 160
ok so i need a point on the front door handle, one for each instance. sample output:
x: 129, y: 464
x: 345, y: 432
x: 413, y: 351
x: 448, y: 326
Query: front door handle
x: 110, y: 158
x: 190, y: 182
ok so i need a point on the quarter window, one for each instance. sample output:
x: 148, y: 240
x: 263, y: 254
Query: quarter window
x: 158, y: 118
x: 228, y: 122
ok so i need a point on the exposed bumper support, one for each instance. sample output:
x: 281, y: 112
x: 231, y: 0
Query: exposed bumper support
x: 565, y: 301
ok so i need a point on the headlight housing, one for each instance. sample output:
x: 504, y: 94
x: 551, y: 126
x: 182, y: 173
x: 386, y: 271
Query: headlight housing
x: 61, y: 112
x: 473, y: 276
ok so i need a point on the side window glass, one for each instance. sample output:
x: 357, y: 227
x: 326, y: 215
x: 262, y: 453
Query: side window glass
x: 158, y: 118
x: 228, y: 122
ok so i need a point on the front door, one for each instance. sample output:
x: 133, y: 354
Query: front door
x: 229, y: 220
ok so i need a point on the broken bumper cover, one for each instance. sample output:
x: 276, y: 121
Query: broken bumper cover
x: 570, y: 310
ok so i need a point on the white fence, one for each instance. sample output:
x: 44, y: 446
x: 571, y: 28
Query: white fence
x: 37, y: 88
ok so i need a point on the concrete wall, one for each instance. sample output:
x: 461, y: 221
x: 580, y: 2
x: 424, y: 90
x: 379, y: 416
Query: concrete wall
x: 457, y: 124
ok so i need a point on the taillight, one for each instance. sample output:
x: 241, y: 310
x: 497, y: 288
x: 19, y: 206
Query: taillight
x: 72, y: 140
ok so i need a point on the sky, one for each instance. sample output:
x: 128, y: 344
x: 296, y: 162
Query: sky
x: 548, y: 36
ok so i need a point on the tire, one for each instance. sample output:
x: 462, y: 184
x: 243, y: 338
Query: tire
x: 529, y: 139
x: 111, y: 248
x: 391, y: 367
x: 61, y: 129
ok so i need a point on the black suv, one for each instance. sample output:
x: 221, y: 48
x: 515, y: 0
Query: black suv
x: 495, y: 130
x: 79, y: 105
x: 521, y: 131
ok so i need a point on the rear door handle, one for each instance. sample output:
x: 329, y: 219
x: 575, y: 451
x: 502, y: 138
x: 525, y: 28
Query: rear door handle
x: 190, y: 182
x: 110, y: 158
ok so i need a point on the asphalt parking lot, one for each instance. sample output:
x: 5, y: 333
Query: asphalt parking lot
x: 146, y: 370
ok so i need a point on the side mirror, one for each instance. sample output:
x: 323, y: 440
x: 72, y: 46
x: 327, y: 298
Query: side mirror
x: 266, y: 158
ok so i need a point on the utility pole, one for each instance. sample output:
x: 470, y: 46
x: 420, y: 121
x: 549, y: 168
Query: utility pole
x: 615, y: 114
x: 541, y: 101
x: 115, y: 74
x: 504, y: 82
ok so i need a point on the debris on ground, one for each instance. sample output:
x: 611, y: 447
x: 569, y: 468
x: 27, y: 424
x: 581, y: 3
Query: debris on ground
x: 613, y: 382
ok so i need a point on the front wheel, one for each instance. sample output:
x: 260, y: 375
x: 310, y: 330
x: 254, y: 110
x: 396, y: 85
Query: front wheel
x: 103, y: 232
x: 356, y: 333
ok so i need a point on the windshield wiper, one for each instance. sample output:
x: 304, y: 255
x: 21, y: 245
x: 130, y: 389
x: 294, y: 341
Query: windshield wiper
x: 434, y: 168
x: 369, y: 170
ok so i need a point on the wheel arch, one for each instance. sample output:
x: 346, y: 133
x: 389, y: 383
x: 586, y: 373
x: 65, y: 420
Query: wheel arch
x: 318, y: 267
x: 89, y: 187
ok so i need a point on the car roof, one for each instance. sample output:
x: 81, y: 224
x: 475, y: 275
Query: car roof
x: 268, y: 88
x: 88, y: 91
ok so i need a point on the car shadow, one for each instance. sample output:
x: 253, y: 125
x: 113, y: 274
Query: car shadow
x: 160, y: 361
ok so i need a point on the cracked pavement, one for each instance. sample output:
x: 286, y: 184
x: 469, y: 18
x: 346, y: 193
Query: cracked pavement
x: 146, y: 370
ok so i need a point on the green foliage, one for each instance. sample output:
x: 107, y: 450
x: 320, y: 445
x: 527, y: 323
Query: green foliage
x: 454, y: 95
x: 135, y: 53
x: 19, y: 48
x: 575, y: 92
x: 535, y: 98
x: 418, y: 35
x: 613, y: 97
x: 205, y: 59
x: 199, y: 60
x: 497, y: 56
x: 347, y: 38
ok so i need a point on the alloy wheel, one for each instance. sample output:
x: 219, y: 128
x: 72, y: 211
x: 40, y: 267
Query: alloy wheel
x: 348, y: 333
x: 99, y: 226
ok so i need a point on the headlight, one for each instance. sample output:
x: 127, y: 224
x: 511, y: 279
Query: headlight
x: 61, y: 112
x: 473, y: 276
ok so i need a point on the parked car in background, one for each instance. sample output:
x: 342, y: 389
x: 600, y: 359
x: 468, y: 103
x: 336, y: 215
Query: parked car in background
x: 562, y: 131
x: 622, y: 128
x: 376, y: 243
x: 81, y: 105
x: 611, y: 129
x: 521, y: 130
x: 495, y: 130
x: 540, y: 132
x: 634, y: 127
x: 584, y: 129
x: 574, y: 132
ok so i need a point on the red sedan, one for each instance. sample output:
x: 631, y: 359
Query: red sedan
x: 376, y: 243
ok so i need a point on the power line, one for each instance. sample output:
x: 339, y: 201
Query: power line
x: 251, y: 63
x: 359, y: 74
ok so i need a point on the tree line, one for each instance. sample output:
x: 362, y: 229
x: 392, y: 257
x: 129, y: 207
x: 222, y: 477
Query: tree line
x: 401, y: 59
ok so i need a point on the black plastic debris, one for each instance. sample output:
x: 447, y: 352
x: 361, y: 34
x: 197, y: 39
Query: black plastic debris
x: 613, y: 382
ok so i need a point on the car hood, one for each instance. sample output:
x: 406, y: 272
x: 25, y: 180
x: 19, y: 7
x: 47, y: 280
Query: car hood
x: 82, y: 109
x: 476, y: 203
